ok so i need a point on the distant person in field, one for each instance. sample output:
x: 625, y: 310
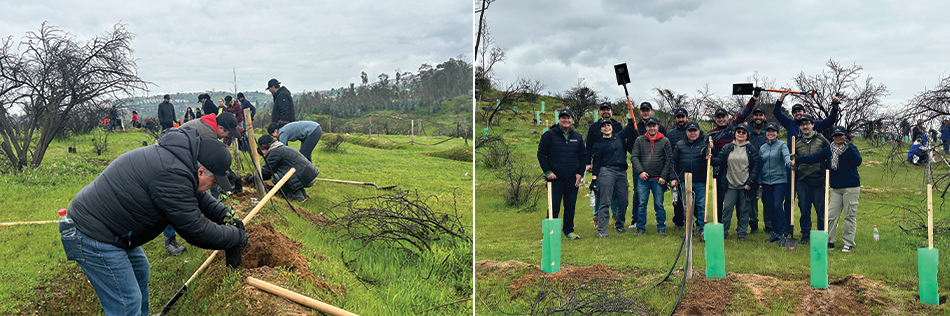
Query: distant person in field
x: 114, y: 118
x: 166, y: 113
x: 278, y: 159
x: 189, y: 115
x: 843, y: 159
x: 690, y: 155
x: 609, y: 173
x: 283, y: 110
x: 135, y: 119
x: 207, y: 106
x: 810, y: 178
x: 739, y: 169
x: 133, y: 199
x: 563, y: 158
x: 919, y: 132
x: 945, y: 136
x: 307, y: 132
x: 234, y: 107
x: 221, y: 107
x: 593, y: 135
x: 651, y: 157
x: 245, y: 104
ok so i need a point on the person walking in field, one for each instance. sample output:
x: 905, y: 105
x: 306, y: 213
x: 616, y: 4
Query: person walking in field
x: 690, y: 155
x: 650, y: 157
x: 278, y: 159
x: 307, y: 132
x: 739, y: 169
x: 135, y: 197
x: 563, y: 157
x: 945, y: 136
x: 166, y: 113
x: 609, y: 169
x: 283, y: 110
x: 842, y: 159
x: 594, y: 134
x: 775, y: 159
x: 245, y: 104
x: 810, y: 178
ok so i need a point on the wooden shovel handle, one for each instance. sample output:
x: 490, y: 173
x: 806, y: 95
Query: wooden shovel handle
x: 792, y: 199
x: 550, y: 203
x: 812, y: 93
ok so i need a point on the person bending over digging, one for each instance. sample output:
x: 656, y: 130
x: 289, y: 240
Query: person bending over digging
x: 134, y: 199
x: 307, y: 132
x: 279, y: 158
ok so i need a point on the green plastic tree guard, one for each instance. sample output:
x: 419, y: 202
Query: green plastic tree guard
x: 542, y: 106
x: 819, y: 259
x: 715, y: 251
x: 485, y: 133
x: 927, y: 260
x: 551, y: 245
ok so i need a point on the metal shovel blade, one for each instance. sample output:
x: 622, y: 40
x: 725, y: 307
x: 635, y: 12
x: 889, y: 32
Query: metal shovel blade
x: 742, y: 88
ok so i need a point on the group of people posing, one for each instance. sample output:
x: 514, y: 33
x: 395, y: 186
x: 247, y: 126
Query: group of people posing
x: 749, y: 161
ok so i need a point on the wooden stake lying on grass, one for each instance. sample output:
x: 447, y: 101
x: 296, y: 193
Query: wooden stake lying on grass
x: 39, y: 222
x: 293, y: 296
x: 246, y: 220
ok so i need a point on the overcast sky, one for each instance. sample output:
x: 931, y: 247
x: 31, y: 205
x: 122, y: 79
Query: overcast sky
x: 684, y: 44
x: 187, y: 46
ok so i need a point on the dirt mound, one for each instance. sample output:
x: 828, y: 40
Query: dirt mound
x: 267, y: 247
x: 707, y: 297
x: 567, y: 277
x: 265, y: 302
x: 503, y: 268
x: 852, y: 295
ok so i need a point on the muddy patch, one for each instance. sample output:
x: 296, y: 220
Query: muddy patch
x: 267, y: 247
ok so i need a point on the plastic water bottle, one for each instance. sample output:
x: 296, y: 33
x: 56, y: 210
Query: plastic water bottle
x: 66, y: 226
x: 593, y: 200
x: 676, y: 194
x: 877, y: 236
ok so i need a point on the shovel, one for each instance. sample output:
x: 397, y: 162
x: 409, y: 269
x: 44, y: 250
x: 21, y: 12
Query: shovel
x: 247, y: 219
x: 790, y: 242
x: 357, y: 182
x: 748, y: 89
x: 928, y: 259
x: 551, y: 244
x: 819, y: 249
x: 623, y: 78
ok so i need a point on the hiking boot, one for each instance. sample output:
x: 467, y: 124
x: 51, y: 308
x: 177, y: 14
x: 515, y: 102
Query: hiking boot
x: 774, y: 238
x: 782, y: 241
x: 621, y: 230
x: 661, y: 232
x: 741, y: 239
x: 846, y: 248
x: 595, y: 222
x: 831, y: 245
x: 573, y: 236
x: 604, y: 235
x: 804, y: 240
x: 640, y: 231
x: 173, y: 247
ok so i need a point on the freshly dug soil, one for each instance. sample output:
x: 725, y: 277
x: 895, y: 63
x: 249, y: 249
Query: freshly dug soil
x: 267, y: 247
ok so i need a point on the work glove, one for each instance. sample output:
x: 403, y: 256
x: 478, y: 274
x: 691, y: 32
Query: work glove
x: 756, y: 92
x: 232, y: 256
x: 593, y: 186
x: 249, y: 178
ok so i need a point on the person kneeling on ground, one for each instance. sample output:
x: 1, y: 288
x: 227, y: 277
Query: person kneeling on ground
x: 279, y: 158
x: 134, y: 199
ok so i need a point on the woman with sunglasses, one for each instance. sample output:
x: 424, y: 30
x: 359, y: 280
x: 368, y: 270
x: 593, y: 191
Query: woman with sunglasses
x: 739, y: 166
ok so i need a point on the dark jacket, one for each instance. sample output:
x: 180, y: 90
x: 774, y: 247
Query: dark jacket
x: 245, y: 104
x: 235, y: 108
x: 564, y: 156
x: 642, y: 129
x: 811, y: 173
x: 723, y: 135
x: 690, y: 157
x: 612, y: 151
x: 209, y: 108
x: 722, y: 161
x: 791, y: 127
x: 166, y: 113
x: 283, y: 106
x: 189, y: 115
x: 280, y: 158
x: 594, y: 135
x: 651, y: 156
x: 148, y: 188
x: 846, y: 176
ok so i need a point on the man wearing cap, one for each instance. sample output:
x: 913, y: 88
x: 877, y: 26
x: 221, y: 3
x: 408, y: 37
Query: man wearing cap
x: 843, y: 160
x: 609, y: 156
x: 283, y: 109
x: 593, y: 135
x: 562, y: 156
x: 245, y: 104
x: 757, y: 138
x: 723, y: 134
x: 214, y: 126
x: 646, y: 111
x: 774, y: 181
x: 650, y: 158
x: 133, y: 199
x: 690, y: 155
x: 166, y: 113
x: 791, y: 126
x: 207, y: 106
x: 810, y: 177
x: 678, y: 133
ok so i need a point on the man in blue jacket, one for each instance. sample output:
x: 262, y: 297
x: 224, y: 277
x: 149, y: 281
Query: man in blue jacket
x: 562, y: 157
x: 134, y: 199
x: 690, y: 155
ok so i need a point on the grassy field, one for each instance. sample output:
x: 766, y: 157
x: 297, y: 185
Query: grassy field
x: 506, y: 233
x: 376, y: 280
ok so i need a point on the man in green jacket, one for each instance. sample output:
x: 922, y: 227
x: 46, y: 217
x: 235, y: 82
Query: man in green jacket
x: 810, y: 178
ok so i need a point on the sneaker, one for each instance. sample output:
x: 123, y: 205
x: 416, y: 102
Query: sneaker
x: 621, y: 230
x: 846, y: 248
x: 661, y: 232
x: 599, y: 235
x: 702, y: 237
x: 573, y: 236
x: 741, y: 239
x: 774, y: 238
x: 782, y: 241
x: 804, y: 240
x: 831, y: 245
x: 173, y: 247
x: 640, y: 231
x: 632, y: 226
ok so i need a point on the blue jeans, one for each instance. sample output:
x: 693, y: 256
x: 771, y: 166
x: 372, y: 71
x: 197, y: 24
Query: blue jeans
x: 564, y: 189
x: 119, y: 276
x: 773, y: 198
x: 169, y: 231
x: 808, y: 197
x: 644, y: 188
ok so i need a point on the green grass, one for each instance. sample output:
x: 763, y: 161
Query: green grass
x: 39, y: 280
x: 512, y: 233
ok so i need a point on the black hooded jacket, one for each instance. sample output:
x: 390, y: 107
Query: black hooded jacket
x: 283, y: 106
x: 144, y: 190
x: 166, y: 113
x: 564, y: 156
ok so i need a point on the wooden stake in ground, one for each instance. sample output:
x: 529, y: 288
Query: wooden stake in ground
x: 302, y: 300
x: 246, y: 220
x: 252, y: 142
x: 790, y: 242
x: 709, y: 176
x: 928, y: 260
x: 687, y: 198
x: 930, y: 216
x: 551, y: 243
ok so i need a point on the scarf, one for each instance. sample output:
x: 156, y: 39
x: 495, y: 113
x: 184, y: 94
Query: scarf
x: 836, y: 151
